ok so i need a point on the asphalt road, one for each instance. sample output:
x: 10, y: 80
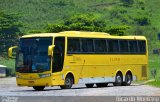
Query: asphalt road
x: 8, y: 88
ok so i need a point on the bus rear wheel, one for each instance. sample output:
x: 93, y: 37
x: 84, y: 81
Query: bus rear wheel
x: 39, y: 88
x: 89, y: 85
x: 68, y: 82
x: 128, y: 80
x: 102, y: 84
x: 118, y: 80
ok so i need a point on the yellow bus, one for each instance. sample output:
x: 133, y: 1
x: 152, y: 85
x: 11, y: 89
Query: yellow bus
x: 73, y: 57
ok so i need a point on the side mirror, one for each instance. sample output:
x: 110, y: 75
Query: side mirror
x: 10, y: 52
x: 50, y: 50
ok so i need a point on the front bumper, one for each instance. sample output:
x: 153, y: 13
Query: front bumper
x: 34, y: 82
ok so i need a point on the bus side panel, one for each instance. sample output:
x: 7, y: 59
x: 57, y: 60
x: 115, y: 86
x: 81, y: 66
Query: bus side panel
x: 101, y: 66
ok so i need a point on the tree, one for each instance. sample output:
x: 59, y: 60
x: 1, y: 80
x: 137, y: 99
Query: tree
x: 86, y: 23
x: 142, y: 20
x: 55, y: 28
x: 9, y: 30
x: 117, y: 30
x: 78, y: 22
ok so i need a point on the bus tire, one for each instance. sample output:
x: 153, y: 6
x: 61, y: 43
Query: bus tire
x: 101, y: 84
x: 38, y: 88
x: 68, y: 82
x: 128, y: 80
x: 89, y: 85
x: 118, y: 80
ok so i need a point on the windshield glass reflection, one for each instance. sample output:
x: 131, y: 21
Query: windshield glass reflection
x: 33, y: 55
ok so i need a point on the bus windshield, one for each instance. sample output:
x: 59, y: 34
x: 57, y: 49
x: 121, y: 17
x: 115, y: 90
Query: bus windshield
x: 32, y: 56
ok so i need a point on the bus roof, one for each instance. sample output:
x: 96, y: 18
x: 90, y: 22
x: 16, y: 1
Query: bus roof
x: 39, y: 35
x: 82, y: 34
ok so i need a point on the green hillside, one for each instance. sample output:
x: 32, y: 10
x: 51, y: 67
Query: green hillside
x: 37, y: 13
x: 142, y: 15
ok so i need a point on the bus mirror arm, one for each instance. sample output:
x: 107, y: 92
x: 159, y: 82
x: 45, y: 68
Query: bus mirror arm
x: 10, y: 52
x: 50, y: 50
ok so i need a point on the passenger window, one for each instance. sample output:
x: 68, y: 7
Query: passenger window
x: 133, y: 46
x: 73, y: 45
x: 113, y: 46
x: 142, y: 46
x: 123, y: 46
x: 87, y: 45
x: 100, y: 45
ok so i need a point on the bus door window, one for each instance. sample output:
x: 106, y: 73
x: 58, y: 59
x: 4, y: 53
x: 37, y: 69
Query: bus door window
x: 58, y: 54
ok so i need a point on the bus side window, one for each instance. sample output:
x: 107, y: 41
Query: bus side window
x: 73, y: 45
x: 142, y: 46
x: 113, y: 46
x: 100, y: 45
x: 87, y: 45
x: 124, y: 46
x: 133, y: 46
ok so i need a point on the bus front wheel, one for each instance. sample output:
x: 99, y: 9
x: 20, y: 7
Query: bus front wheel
x: 89, y: 85
x: 68, y: 82
x: 39, y: 88
x: 118, y: 80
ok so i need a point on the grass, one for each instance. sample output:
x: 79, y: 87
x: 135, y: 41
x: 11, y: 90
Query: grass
x: 10, y: 63
x: 38, y: 13
x: 154, y: 63
x: 154, y: 83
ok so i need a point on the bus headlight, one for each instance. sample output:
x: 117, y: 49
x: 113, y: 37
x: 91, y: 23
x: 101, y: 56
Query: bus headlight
x: 44, y: 75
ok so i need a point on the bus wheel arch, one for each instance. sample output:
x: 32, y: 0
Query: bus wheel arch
x: 128, y: 78
x: 129, y: 72
x: 68, y: 82
x: 71, y: 74
x: 118, y: 79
